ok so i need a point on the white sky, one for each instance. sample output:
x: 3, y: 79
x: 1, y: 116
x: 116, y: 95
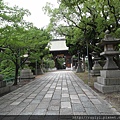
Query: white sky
x: 37, y: 17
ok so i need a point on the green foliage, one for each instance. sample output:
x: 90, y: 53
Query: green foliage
x: 19, y: 37
x: 84, y: 22
x: 60, y: 63
x: 7, y: 68
x: 49, y: 63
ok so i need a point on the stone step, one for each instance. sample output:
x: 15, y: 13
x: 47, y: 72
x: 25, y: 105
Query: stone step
x: 108, y: 81
x: 110, y: 73
x: 106, y: 89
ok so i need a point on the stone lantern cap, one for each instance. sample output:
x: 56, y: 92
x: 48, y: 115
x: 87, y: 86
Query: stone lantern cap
x: 95, y: 55
x: 109, y: 40
x: 109, y: 43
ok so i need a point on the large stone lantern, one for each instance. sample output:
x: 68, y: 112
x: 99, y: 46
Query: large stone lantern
x: 109, y: 79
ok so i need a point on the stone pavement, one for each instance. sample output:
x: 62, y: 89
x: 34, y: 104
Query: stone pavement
x: 55, y: 93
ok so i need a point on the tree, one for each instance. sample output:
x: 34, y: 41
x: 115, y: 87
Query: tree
x: 19, y: 37
x: 84, y: 22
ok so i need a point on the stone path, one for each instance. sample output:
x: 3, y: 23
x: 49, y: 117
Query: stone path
x: 55, y: 93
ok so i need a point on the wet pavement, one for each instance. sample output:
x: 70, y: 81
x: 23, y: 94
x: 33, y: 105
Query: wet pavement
x: 55, y: 93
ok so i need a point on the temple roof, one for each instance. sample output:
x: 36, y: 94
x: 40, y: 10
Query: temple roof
x: 58, y: 45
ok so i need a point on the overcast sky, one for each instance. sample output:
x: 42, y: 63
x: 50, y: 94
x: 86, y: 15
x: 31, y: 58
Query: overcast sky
x: 37, y: 17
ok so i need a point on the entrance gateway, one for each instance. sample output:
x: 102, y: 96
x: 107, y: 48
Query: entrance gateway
x: 59, y: 50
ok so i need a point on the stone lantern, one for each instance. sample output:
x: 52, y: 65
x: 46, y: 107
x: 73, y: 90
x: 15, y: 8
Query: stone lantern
x: 109, y: 79
x: 26, y: 73
x: 96, y: 67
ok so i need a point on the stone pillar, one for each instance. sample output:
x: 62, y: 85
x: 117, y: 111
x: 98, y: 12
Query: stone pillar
x: 109, y: 79
x: 96, y: 67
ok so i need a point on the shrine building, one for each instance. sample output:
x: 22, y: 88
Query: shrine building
x: 59, y: 49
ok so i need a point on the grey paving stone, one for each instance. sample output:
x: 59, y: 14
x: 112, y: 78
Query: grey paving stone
x: 77, y: 107
x: 48, y: 95
x: 87, y: 104
x: 23, y: 104
x: 64, y: 88
x: 82, y: 95
x: 79, y: 91
x: 82, y: 98
x: 95, y: 101
x: 66, y: 111
x: 92, y: 111
x: 53, y: 108
x: 79, y: 113
x: 26, y: 113
x: 3, y: 105
x: 36, y: 101
x: 3, y: 113
x: 8, y: 108
x: 55, y: 96
x: 52, y: 112
x: 65, y: 99
x: 65, y: 105
x: 27, y: 100
x: 15, y: 103
x: 43, y: 105
x: 65, y: 92
x: 58, y: 88
x: 74, y: 96
x: 75, y: 101
x: 46, y: 100
x: 55, y: 103
x: 16, y: 111
x: 39, y: 112
x: 30, y: 108
x: 92, y: 97
x: 39, y: 97
x: 65, y: 95
x: 50, y: 92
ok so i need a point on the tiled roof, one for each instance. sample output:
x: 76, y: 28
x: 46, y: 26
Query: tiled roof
x: 58, y: 45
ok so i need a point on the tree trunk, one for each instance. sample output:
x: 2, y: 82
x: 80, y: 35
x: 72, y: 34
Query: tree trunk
x: 16, y: 75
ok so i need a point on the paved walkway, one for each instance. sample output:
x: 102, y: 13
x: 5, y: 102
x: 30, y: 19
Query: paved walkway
x: 55, y: 93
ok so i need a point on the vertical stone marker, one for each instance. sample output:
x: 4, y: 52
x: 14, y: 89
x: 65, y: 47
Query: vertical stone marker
x: 96, y: 67
x: 109, y: 79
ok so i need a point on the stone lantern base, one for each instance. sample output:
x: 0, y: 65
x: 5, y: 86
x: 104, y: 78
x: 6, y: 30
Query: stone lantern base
x: 108, y: 81
x: 26, y: 74
x: 96, y: 70
x: 95, y: 73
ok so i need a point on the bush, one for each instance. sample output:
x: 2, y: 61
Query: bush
x: 7, y: 68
